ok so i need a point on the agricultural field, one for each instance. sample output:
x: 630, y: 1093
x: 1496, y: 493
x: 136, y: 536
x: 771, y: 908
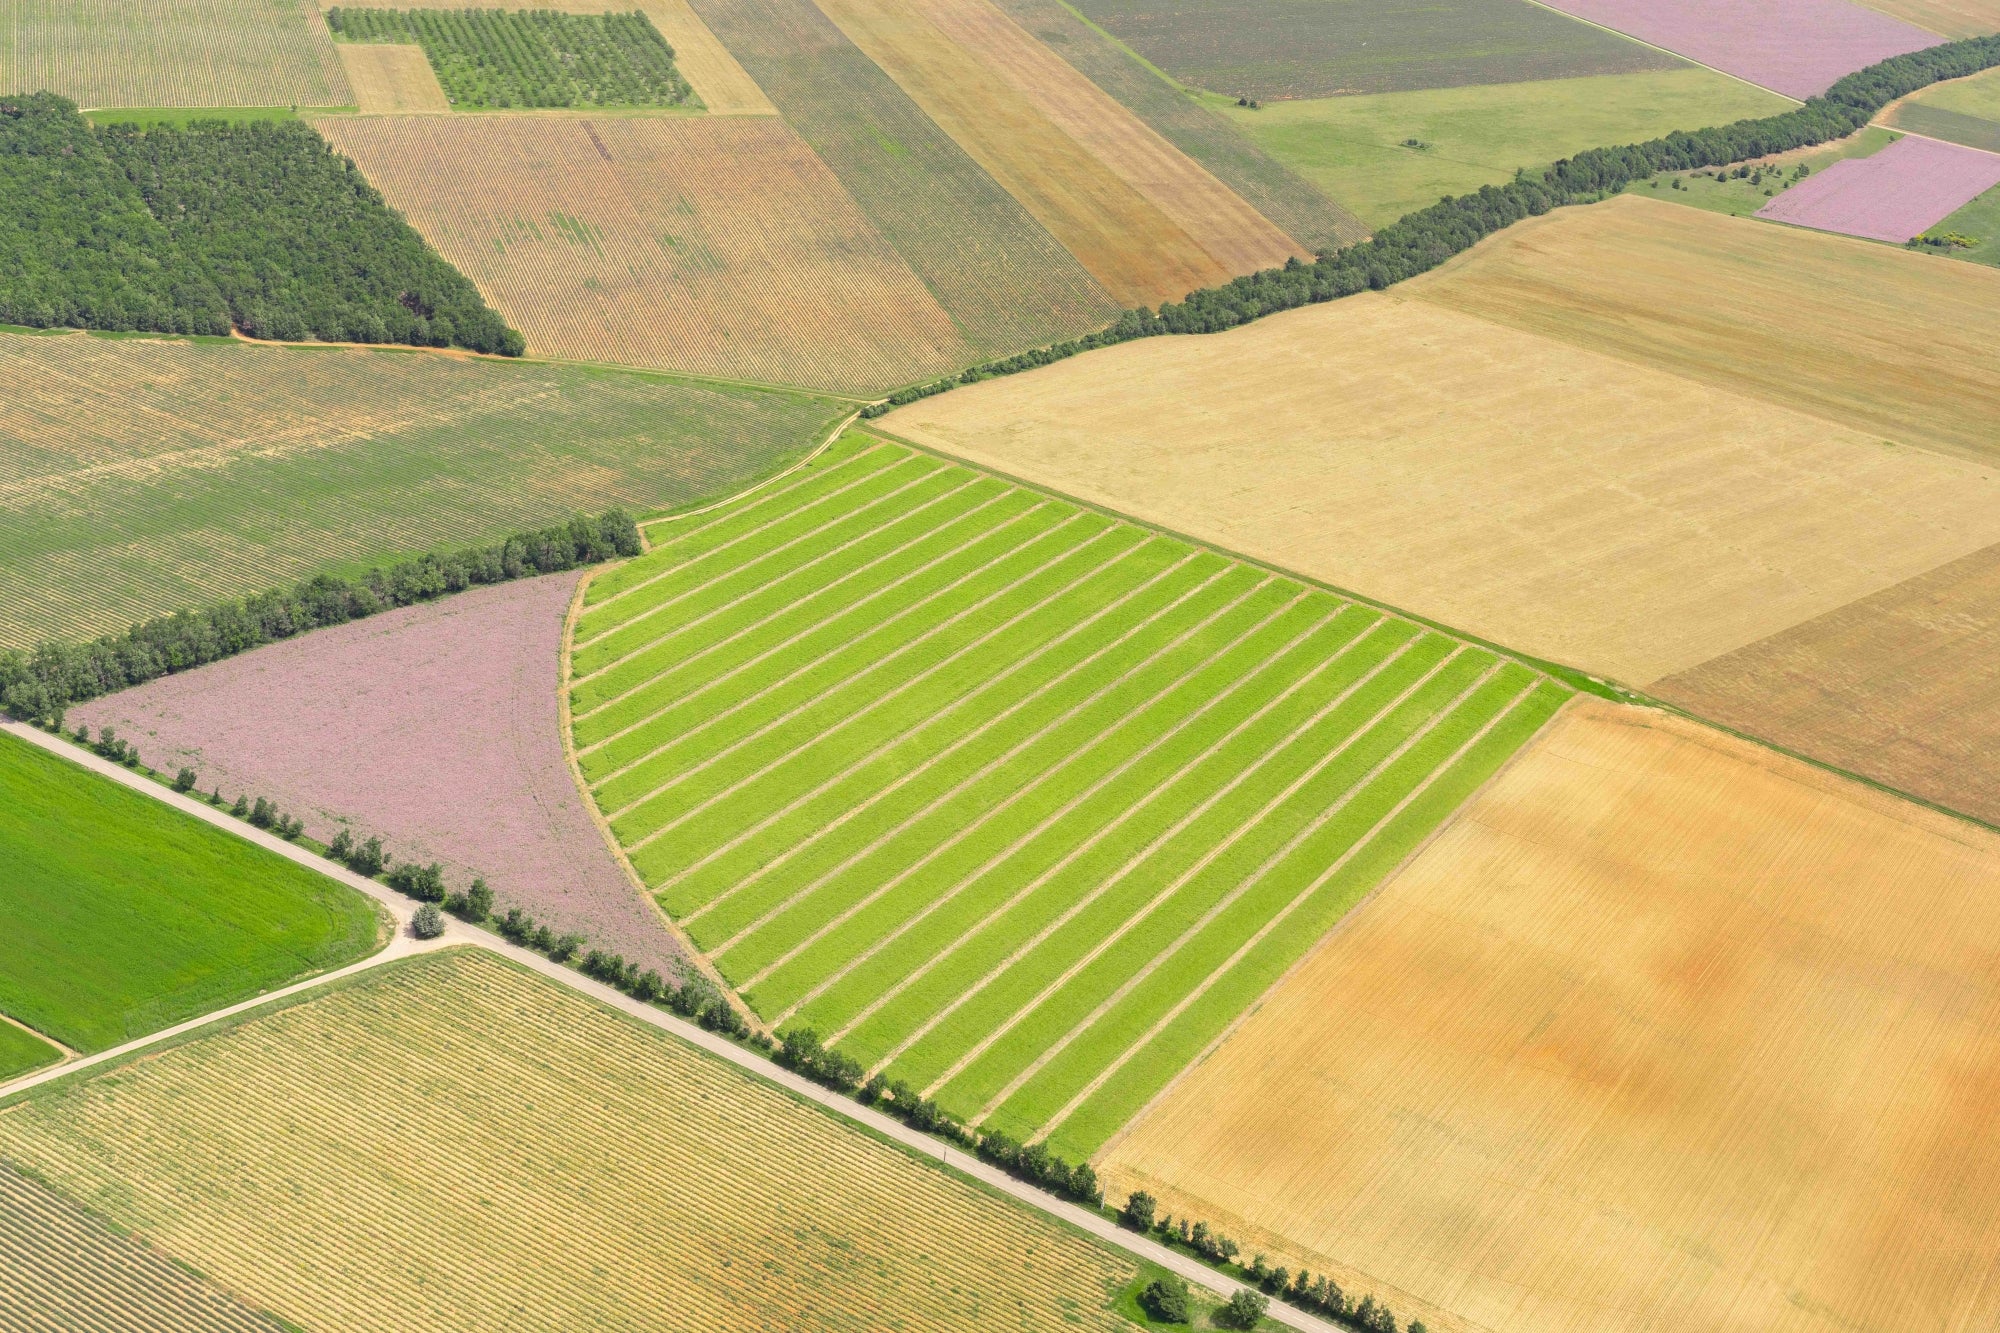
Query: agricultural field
x: 1665, y: 1031
x: 1763, y: 178
x: 123, y: 916
x: 1006, y: 798
x: 1978, y: 222
x: 1949, y: 18
x: 485, y: 1148
x: 63, y: 1269
x: 1389, y: 154
x: 1963, y: 111
x: 1289, y: 201
x: 1272, y: 50
x: 22, y: 1050
x: 391, y: 79
x: 161, y: 53
x: 1006, y: 284
x: 718, y: 246
x: 435, y: 727
x: 142, y: 476
x: 1796, y: 47
x: 1896, y: 195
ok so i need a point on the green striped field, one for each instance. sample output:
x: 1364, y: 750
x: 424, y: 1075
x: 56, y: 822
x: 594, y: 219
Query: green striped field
x: 1010, y: 799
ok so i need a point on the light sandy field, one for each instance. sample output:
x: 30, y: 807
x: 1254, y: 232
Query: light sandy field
x: 388, y: 78
x: 1951, y: 18
x: 452, y: 1143
x: 1557, y: 500
x: 1666, y: 1032
x: 717, y: 245
x: 147, y: 53
x: 1875, y: 337
x: 1129, y: 243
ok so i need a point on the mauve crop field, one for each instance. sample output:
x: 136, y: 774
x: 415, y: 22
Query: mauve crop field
x: 1795, y: 47
x: 1899, y: 193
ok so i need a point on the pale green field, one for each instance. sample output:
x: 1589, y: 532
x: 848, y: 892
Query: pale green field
x: 1964, y: 111
x: 1976, y: 96
x: 1356, y: 149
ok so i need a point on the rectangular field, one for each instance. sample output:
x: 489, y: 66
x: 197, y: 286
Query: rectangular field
x: 1006, y: 798
x: 122, y: 916
x: 1963, y: 111
x: 388, y: 79
x: 452, y: 1143
x: 146, y: 53
x: 140, y: 477
x: 716, y: 245
x: 1272, y: 50
x: 1664, y: 1032
x: 1895, y: 195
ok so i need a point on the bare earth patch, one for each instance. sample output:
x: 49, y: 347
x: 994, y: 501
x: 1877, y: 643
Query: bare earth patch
x: 435, y: 726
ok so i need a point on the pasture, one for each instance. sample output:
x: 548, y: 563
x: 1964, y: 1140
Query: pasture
x: 142, y: 476
x: 1272, y: 50
x: 485, y: 1148
x: 1006, y: 798
x: 1388, y: 154
x: 714, y: 245
x: 21, y: 1050
x: 1665, y: 1031
x: 160, y: 53
x: 123, y: 916
x: 1979, y: 222
x: 1962, y: 111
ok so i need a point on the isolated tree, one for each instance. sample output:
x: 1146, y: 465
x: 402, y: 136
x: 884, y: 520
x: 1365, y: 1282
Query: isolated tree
x: 1244, y: 1310
x: 1166, y: 1299
x: 428, y: 923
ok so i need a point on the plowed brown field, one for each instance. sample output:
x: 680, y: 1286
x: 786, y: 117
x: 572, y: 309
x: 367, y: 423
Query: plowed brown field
x: 716, y: 245
x: 388, y: 78
x: 1666, y: 1032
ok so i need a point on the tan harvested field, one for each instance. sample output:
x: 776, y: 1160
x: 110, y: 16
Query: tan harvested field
x: 716, y: 245
x: 1129, y: 243
x: 452, y: 1143
x: 1665, y: 1032
x: 1898, y: 686
x: 156, y: 53
x: 388, y: 78
x: 1872, y: 336
x: 1560, y: 501
x: 1951, y: 18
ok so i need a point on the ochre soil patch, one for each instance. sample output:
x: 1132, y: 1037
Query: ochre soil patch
x: 1128, y: 242
x: 434, y: 726
x: 1871, y: 336
x: 1897, y: 686
x: 1555, y: 500
x: 1665, y: 1032
x: 718, y: 245
x: 388, y: 78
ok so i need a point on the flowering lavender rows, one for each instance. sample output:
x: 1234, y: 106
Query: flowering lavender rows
x: 1796, y: 47
x: 435, y: 726
x: 1895, y: 195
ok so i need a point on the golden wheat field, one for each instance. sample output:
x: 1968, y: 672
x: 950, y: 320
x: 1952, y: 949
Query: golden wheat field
x: 1563, y: 502
x: 453, y: 1143
x: 1665, y: 1032
x: 716, y: 245
x: 388, y: 79
x: 145, y: 53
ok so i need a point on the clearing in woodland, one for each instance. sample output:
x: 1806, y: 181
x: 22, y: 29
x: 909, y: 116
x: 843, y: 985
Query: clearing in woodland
x: 1008, y: 799
x: 488, y: 1149
x: 123, y: 916
x: 1665, y: 1031
x: 715, y: 245
x: 142, y: 476
x: 148, y: 53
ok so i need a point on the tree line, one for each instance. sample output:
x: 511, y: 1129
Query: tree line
x: 257, y: 226
x: 1420, y: 241
x: 37, y: 686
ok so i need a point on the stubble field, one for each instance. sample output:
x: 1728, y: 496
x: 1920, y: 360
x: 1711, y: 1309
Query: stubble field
x: 1950, y: 18
x: 469, y: 1145
x: 140, y: 477
x: 1664, y: 1032
x: 389, y: 79
x: 1003, y: 797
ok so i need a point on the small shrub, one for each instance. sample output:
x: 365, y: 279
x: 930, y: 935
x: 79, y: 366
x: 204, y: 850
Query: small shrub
x: 184, y: 780
x: 341, y: 847
x: 242, y: 807
x: 1166, y: 1299
x: 428, y: 923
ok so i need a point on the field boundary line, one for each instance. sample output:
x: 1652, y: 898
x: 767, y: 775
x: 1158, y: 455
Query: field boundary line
x: 1181, y: 880
x: 1069, y: 858
x: 1664, y: 50
x: 1049, y: 821
x: 1262, y: 932
x: 1020, y: 793
x: 905, y: 779
x: 41, y: 1036
x: 895, y: 691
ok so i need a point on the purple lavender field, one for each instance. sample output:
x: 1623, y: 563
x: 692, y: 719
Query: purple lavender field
x: 1795, y: 47
x: 1897, y: 194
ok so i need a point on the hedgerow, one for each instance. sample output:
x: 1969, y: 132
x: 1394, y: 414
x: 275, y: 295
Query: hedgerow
x: 1420, y: 241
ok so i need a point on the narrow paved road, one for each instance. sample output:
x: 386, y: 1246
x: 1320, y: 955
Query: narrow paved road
x: 403, y: 945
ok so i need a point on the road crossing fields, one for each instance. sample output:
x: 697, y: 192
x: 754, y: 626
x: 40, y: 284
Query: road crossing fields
x: 1008, y: 798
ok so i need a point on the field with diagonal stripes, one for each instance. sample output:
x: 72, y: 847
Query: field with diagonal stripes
x: 1012, y: 800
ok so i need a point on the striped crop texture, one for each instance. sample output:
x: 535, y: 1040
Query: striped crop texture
x: 1009, y: 799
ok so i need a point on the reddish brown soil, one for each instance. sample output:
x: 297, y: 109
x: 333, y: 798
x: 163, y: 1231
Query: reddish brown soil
x: 434, y: 726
